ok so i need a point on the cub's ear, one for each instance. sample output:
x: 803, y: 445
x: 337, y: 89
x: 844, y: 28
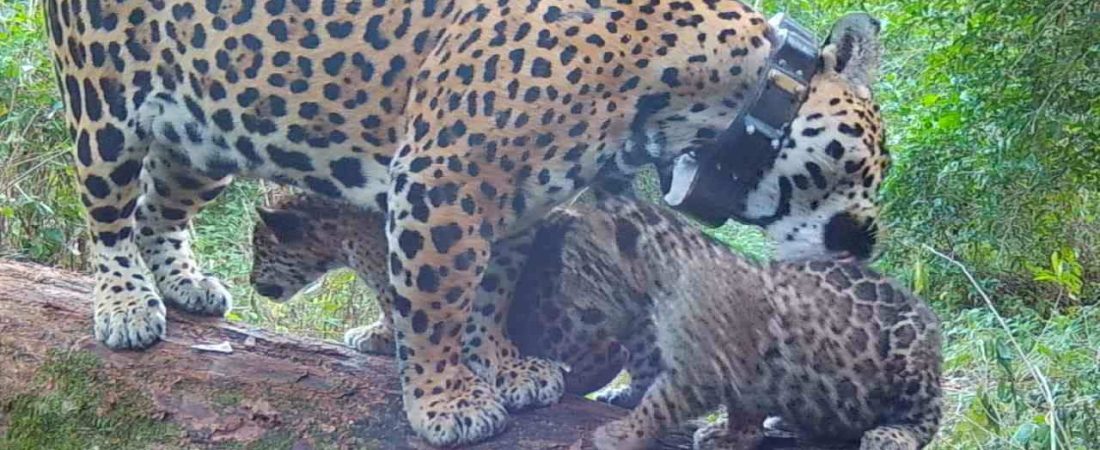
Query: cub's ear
x: 286, y: 226
x: 853, y: 48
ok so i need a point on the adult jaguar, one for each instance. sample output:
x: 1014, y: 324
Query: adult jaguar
x: 465, y: 120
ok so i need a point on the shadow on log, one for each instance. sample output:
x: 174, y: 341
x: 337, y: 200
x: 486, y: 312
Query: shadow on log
x: 273, y: 391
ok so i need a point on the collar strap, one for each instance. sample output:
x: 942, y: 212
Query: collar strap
x: 711, y: 184
x: 777, y: 97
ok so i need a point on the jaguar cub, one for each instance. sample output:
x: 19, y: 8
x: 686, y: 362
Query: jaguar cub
x: 302, y: 237
x: 837, y: 351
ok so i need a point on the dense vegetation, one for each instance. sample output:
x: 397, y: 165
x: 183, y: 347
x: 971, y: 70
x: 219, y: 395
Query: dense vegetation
x: 993, y: 109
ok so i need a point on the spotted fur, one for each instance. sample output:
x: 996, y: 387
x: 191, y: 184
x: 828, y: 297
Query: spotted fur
x: 302, y: 237
x: 569, y: 318
x: 466, y: 121
x: 840, y: 353
x: 841, y: 349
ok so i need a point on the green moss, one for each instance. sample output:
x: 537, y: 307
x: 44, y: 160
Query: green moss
x: 273, y: 440
x: 69, y: 409
x: 284, y: 440
x: 227, y: 399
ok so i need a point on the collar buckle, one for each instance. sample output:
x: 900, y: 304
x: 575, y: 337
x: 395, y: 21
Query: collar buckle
x: 712, y: 183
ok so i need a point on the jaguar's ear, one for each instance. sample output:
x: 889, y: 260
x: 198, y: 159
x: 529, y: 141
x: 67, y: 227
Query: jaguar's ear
x: 286, y: 226
x: 853, y: 49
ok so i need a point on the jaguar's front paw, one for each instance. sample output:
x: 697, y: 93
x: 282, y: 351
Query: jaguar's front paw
x: 128, y: 319
x: 376, y: 339
x: 197, y: 294
x: 453, y: 408
x: 525, y: 382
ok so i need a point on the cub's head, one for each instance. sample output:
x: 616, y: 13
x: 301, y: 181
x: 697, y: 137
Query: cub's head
x: 819, y: 197
x: 288, y: 253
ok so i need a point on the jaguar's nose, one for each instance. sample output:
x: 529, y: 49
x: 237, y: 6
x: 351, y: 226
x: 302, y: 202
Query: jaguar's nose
x: 851, y: 237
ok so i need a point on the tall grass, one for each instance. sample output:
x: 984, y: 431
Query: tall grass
x: 994, y: 123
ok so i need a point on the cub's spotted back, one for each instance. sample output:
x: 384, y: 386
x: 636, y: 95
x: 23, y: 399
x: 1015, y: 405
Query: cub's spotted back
x: 837, y: 351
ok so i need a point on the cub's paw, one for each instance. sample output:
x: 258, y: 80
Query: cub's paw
x: 463, y: 411
x: 619, y: 435
x: 623, y: 397
x: 203, y: 295
x: 376, y: 339
x: 525, y: 382
x: 128, y: 319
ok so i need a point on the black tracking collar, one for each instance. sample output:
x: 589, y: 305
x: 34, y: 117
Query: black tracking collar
x: 711, y: 184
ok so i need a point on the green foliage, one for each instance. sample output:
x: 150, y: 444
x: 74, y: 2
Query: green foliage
x: 997, y: 156
x: 995, y: 401
x: 41, y: 218
x: 1064, y: 271
x: 76, y: 407
x: 993, y: 117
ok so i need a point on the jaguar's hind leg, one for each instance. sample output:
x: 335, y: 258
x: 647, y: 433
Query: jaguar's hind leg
x: 173, y: 194
x: 916, y: 428
x: 643, y: 365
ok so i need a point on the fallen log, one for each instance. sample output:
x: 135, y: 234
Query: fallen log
x: 60, y: 388
x: 214, y: 384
